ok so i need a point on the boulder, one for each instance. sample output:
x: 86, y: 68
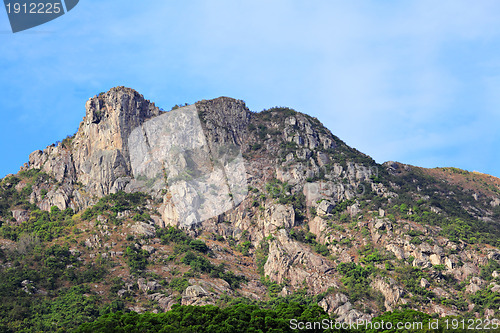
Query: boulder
x: 324, y: 208
x: 144, y: 229
x: 424, y: 283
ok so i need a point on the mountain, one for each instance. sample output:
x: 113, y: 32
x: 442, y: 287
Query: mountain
x: 212, y: 203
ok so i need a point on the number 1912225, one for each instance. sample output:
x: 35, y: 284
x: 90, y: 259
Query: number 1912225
x: 33, y: 8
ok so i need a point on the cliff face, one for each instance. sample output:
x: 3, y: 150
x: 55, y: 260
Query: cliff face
x: 97, y: 158
x: 307, y: 206
x: 100, y: 148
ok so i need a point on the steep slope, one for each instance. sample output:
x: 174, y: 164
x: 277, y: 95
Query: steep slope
x: 299, y: 213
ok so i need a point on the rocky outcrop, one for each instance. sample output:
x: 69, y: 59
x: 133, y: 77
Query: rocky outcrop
x: 331, y: 302
x: 319, y: 175
x: 143, y: 229
x: 100, y: 147
x: 291, y: 261
x: 392, y: 292
x: 202, y: 292
x: 21, y: 215
x: 224, y: 120
x: 146, y: 286
x: 339, y: 305
x: 97, y: 157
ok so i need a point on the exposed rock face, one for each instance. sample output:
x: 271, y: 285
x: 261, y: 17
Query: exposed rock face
x: 98, y: 158
x: 20, y: 215
x: 331, y: 302
x: 320, y: 186
x: 204, y: 292
x: 225, y: 120
x: 100, y: 149
x: 391, y: 291
x: 292, y: 261
x: 346, y: 313
x: 278, y: 216
x: 339, y: 305
x: 144, y: 229
x: 146, y: 286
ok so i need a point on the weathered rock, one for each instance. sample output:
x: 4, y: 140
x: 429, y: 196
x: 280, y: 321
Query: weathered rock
x: 495, y: 287
x: 146, y: 286
x: 196, y: 295
x: 288, y: 259
x: 421, y: 263
x: 142, y: 228
x: 442, y: 311
x: 149, y: 249
x: 325, y: 207
x: 122, y: 292
x: 398, y: 252
x: 346, y: 314
x: 435, y: 259
x: 440, y: 292
x: 100, y: 147
x: 292, y: 148
x: 195, y: 291
x: 319, y: 227
x: 390, y: 290
x: 279, y: 216
x: 382, y: 224
x: 495, y: 255
x: 472, y: 288
x: 331, y: 302
x: 20, y: 215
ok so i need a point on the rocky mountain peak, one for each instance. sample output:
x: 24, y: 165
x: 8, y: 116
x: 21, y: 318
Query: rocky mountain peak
x: 100, y: 151
x: 117, y: 110
x: 315, y: 214
x: 225, y: 119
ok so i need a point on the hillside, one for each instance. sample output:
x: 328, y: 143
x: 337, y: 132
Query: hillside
x: 212, y: 203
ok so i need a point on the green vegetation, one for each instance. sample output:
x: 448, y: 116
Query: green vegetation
x: 309, y: 238
x: 45, y: 225
x: 410, y: 277
x: 26, y: 309
x: 485, y: 299
x: 271, y: 317
x: 209, y: 318
x: 456, y: 222
x: 356, y: 280
x: 200, y: 264
x: 116, y: 203
x: 245, y: 247
x: 137, y: 259
x: 487, y: 270
x: 283, y: 193
x: 179, y: 284
x: 406, y: 316
x: 10, y: 197
x: 370, y: 255
x: 172, y: 234
x: 261, y: 254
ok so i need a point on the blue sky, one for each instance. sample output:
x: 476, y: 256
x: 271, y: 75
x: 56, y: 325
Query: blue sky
x: 413, y: 81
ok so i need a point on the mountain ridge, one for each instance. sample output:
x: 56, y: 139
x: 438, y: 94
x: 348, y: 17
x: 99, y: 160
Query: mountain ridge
x: 319, y: 218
